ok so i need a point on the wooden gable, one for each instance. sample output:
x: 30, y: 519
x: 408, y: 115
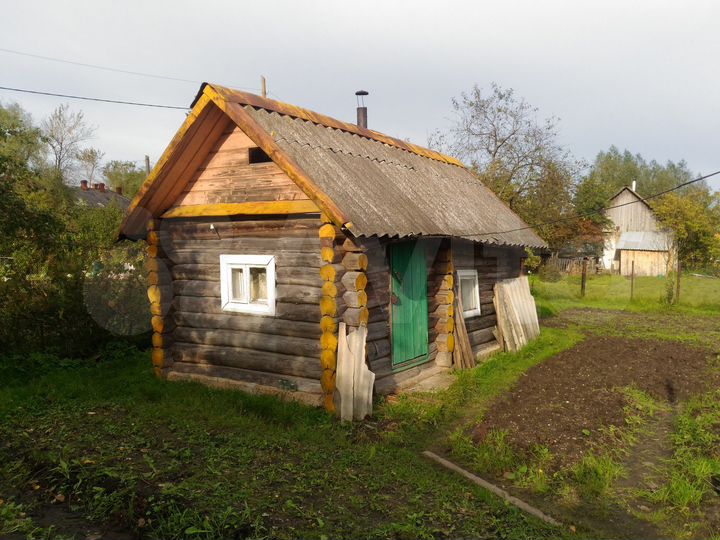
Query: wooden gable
x: 629, y: 212
x: 227, y: 177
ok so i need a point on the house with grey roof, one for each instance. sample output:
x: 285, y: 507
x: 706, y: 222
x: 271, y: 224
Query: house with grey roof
x: 96, y: 195
x: 275, y: 232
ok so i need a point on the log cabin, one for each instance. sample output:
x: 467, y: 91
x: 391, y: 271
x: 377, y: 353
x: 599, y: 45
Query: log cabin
x: 267, y: 225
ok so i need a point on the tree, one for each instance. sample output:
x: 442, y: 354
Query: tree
x: 64, y: 132
x: 694, y: 219
x: 89, y: 160
x: 20, y: 142
x: 516, y: 155
x: 124, y: 174
x: 48, y: 246
x: 613, y: 170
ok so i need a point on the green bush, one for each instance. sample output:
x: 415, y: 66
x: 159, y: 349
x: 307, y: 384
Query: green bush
x: 550, y: 271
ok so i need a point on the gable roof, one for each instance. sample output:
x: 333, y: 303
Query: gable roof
x: 366, y: 182
x: 634, y: 193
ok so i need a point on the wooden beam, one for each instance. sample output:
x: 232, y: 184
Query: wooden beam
x: 248, y: 208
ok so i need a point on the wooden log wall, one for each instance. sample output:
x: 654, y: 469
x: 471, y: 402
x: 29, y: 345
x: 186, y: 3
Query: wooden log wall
x: 377, y: 289
x: 277, y: 352
x: 492, y: 264
x: 441, y: 294
x: 331, y: 307
x: 160, y: 295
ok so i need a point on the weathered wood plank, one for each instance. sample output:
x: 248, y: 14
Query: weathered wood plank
x: 258, y: 377
x: 246, y: 208
x: 282, y: 364
x: 248, y: 323
x: 249, y: 340
x: 283, y: 310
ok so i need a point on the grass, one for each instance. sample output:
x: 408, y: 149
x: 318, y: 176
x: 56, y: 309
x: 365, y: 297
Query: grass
x: 416, y: 417
x: 693, y: 475
x: 107, y: 441
x: 697, y: 295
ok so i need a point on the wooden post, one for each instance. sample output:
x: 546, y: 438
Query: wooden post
x: 677, y: 288
x: 632, y: 280
x: 583, y: 281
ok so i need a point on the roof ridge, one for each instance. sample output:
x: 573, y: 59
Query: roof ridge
x: 253, y: 100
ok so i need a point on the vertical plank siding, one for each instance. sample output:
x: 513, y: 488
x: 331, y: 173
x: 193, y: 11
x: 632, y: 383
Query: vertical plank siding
x: 631, y: 217
x: 647, y: 263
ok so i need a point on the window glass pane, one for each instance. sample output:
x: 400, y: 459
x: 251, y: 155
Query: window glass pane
x: 236, y: 284
x: 467, y: 293
x: 258, y: 285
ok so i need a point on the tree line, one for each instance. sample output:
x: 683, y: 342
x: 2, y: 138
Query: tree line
x: 517, y: 154
x: 65, y: 286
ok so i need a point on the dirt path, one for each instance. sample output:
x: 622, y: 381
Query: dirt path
x: 653, y: 447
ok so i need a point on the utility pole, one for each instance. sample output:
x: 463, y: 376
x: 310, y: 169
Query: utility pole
x: 583, y: 279
x: 263, y: 85
x: 147, y: 165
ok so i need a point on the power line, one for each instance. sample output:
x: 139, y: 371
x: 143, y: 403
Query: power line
x: 106, y: 68
x: 594, y: 212
x: 85, y: 98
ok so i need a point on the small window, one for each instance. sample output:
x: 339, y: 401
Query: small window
x: 469, y: 292
x: 258, y: 155
x: 247, y: 283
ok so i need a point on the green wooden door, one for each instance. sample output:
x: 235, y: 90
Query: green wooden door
x: 409, y: 302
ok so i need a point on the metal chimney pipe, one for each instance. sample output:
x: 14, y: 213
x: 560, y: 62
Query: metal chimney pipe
x: 361, y: 109
x: 362, y: 117
x: 634, y: 185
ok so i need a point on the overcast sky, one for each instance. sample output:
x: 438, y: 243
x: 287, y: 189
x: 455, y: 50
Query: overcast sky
x: 640, y: 75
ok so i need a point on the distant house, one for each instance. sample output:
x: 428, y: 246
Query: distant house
x: 97, y: 196
x: 269, y: 225
x: 636, y: 237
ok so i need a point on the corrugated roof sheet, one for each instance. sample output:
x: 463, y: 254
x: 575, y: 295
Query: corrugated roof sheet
x: 100, y: 199
x: 389, y: 191
x: 644, y: 241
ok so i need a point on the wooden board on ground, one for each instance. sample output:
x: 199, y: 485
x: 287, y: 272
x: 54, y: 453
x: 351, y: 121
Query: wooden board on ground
x: 354, y: 381
x: 516, y: 313
x: 462, y: 355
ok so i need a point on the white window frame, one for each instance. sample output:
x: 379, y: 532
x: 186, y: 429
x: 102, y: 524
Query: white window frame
x: 470, y: 273
x: 246, y: 262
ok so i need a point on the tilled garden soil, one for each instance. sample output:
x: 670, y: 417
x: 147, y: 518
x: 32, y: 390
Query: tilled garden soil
x: 576, y: 390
